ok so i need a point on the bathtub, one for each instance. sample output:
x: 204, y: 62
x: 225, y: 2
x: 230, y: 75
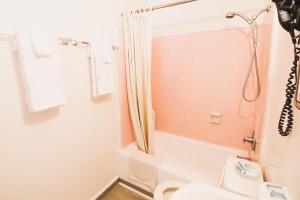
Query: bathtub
x: 178, y: 158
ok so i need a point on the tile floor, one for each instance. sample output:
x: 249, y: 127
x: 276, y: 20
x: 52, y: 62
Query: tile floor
x: 121, y: 193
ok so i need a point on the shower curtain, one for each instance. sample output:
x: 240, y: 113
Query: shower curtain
x: 138, y: 44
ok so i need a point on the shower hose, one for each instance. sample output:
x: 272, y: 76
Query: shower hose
x: 286, y: 117
x: 255, y: 35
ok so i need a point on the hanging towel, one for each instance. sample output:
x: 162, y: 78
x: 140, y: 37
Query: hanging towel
x: 40, y: 43
x: 101, y: 56
x: 42, y: 76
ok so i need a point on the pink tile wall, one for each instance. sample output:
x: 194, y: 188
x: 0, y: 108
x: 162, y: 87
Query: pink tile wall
x: 261, y: 103
x: 196, y: 74
x: 199, y: 73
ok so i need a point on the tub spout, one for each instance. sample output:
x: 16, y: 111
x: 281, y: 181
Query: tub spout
x: 251, y: 140
x: 244, y: 157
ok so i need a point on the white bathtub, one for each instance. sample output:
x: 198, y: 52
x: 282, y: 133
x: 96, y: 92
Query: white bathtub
x: 178, y: 158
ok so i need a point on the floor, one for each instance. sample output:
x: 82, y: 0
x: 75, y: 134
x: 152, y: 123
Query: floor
x: 119, y: 192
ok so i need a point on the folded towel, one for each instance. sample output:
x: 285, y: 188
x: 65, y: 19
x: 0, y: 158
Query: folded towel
x: 41, y: 75
x: 40, y: 43
x: 102, y: 68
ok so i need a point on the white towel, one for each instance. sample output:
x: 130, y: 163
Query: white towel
x: 40, y: 43
x: 41, y: 75
x: 101, y: 56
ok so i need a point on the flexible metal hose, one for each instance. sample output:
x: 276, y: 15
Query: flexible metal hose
x: 253, y: 64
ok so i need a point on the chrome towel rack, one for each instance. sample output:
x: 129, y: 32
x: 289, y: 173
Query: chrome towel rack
x: 63, y: 40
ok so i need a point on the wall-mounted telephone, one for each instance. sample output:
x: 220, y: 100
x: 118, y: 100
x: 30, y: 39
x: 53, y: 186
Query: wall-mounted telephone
x: 289, y: 19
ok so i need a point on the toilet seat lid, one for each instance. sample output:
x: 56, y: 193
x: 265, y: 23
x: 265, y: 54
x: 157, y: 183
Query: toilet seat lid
x: 162, y: 187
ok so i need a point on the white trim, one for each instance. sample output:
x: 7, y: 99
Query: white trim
x: 192, y: 141
x: 107, y: 186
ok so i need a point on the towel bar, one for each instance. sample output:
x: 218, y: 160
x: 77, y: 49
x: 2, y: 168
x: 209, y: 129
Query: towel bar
x: 64, y: 40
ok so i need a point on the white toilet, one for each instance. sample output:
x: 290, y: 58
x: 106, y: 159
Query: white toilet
x: 241, y: 178
x: 165, y: 190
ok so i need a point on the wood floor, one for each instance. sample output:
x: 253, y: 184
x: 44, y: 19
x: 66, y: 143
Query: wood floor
x: 119, y: 192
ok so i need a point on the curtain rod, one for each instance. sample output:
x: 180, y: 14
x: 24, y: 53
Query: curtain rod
x: 167, y: 5
x: 172, y: 4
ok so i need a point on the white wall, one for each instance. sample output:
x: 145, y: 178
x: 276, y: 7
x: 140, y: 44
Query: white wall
x: 280, y: 155
x: 65, y: 153
x: 203, y: 15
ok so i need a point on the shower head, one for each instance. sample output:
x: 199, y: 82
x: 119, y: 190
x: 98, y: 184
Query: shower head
x: 231, y: 15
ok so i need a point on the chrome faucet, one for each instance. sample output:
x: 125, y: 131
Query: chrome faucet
x: 251, y: 140
x: 240, y: 168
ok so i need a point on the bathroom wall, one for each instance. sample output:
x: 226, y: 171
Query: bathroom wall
x: 196, y: 74
x: 66, y: 153
x: 280, y: 155
x: 187, y: 78
x: 200, y: 60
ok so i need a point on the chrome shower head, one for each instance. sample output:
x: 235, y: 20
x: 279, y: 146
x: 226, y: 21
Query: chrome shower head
x: 230, y: 15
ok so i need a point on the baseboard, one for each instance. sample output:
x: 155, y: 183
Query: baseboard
x: 106, y: 189
x: 136, y: 188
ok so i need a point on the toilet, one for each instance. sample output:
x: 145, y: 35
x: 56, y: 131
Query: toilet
x: 165, y: 190
x: 240, y: 177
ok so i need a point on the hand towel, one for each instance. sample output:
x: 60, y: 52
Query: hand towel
x: 40, y: 44
x: 101, y: 56
x: 42, y: 76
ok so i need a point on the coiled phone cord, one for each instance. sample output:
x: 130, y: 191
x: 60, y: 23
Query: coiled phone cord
x: 287, y: 111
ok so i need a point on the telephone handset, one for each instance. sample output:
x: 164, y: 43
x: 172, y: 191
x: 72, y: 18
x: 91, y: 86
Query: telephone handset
x: 289, y: 19
x: 288, y: 14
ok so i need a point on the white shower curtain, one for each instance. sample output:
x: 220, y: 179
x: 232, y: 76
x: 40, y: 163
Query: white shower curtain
x: 138, y: 45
